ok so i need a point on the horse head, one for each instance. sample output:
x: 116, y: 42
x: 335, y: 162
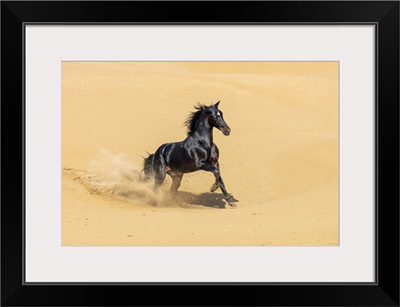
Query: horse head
x: 216, y: 118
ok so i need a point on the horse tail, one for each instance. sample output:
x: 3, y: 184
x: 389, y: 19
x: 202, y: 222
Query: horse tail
x: 148, y: 166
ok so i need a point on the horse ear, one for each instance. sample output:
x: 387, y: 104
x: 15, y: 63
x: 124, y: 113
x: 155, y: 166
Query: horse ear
x: 216, y: 105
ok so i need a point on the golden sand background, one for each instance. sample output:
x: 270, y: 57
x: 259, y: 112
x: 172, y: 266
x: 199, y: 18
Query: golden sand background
x: 280, y: 161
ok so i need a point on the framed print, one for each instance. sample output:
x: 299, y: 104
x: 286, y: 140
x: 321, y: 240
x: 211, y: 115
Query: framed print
x: 116, y: 109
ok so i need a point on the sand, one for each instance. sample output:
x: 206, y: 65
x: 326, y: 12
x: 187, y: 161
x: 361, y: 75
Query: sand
x: 280, y: 161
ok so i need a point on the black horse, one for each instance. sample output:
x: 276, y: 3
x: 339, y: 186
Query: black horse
x: 196, y: 152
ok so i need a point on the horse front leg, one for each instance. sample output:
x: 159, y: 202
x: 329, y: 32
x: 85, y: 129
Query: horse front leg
x: 218, y: 180
x: 216, y: 184
x: 219, y: 183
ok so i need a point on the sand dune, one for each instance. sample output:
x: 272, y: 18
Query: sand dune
x: 280, y: 161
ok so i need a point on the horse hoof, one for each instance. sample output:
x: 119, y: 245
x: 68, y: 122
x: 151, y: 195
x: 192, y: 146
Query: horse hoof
x: 214, y: 188
x: 233, y: 205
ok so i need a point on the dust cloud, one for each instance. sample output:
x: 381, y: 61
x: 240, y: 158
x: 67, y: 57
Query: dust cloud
x: 114, y: 176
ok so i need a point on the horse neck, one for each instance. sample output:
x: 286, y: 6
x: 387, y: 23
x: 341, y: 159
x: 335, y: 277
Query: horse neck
x: 204, y: 130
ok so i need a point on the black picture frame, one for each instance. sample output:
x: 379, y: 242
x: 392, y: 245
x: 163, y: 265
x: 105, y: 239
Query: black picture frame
x: 383, y: 14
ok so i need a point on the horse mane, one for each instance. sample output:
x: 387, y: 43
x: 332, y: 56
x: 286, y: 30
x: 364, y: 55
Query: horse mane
x: 193, y: 118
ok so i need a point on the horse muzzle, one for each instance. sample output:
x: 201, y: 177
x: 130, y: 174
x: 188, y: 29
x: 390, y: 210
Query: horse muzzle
x: 225, y: 130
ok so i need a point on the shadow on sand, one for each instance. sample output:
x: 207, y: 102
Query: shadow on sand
x: 210, y: 200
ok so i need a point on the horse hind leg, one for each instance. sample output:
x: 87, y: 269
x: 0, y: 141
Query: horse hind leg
x: 176, y: 182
